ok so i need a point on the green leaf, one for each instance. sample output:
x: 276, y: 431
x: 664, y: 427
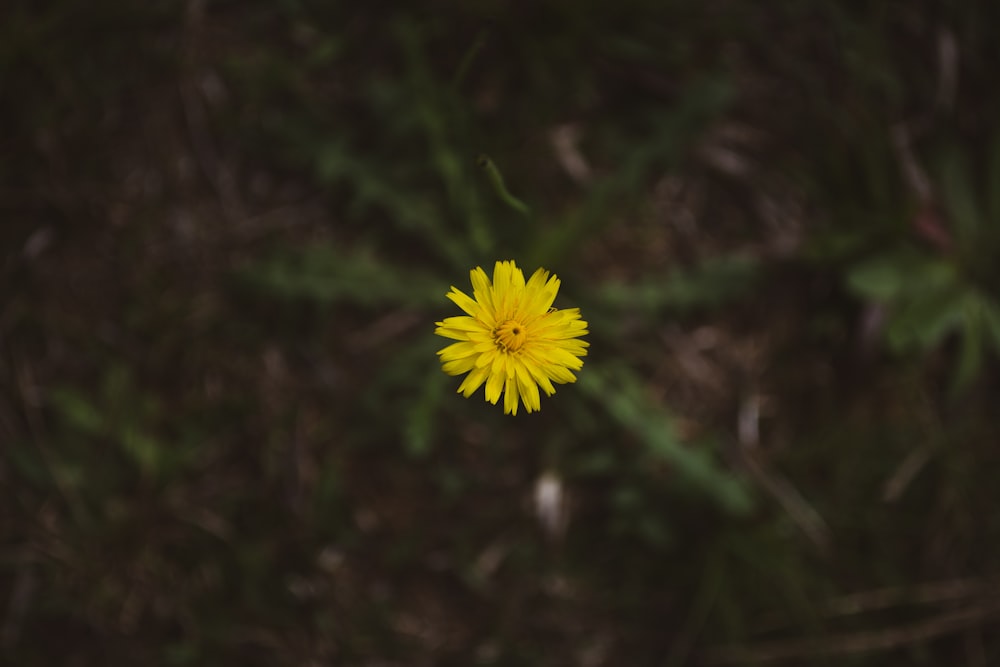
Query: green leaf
x: 981, y: 327
x: 77, y: 411
x: 328, y: 274
x: 923, y: 322
x: 418, y: 429
x: 143, y: 449
x: 899, y: 274
x: 623, y: 396
x: 708, y: 284
x: 879, y: 279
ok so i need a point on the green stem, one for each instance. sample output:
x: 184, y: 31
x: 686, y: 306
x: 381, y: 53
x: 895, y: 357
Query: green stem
x: 496, y: 180
x: 469, y: 57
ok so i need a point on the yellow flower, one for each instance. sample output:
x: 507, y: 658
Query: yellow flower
x: 512, y: 339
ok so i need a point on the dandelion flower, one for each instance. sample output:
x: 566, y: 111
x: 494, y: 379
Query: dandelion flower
x: 512, y: 338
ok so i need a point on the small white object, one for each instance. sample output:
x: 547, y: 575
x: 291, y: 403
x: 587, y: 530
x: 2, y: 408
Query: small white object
x: 550, y: 505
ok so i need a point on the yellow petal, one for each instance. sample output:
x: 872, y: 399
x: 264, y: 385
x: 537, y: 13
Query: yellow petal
x: 464, y: 301
x: 459, y: 366
x: 528, y: 389
x: 494, y: 385
x: 543, y: 381
x: 473, y: 381
x: 510, y: 396
x: 483, y: 293
x: 457, y: 351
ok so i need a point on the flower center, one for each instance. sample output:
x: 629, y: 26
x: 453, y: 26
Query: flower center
x: 510, y: 335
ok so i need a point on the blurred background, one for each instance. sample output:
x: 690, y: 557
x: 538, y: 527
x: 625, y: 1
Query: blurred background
x: 227, y: 232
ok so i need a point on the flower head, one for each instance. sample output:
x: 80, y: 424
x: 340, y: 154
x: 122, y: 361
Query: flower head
x: 512, y: 339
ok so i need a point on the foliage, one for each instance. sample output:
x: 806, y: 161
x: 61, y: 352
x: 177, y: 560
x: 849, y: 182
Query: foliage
x: 225, y: 435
